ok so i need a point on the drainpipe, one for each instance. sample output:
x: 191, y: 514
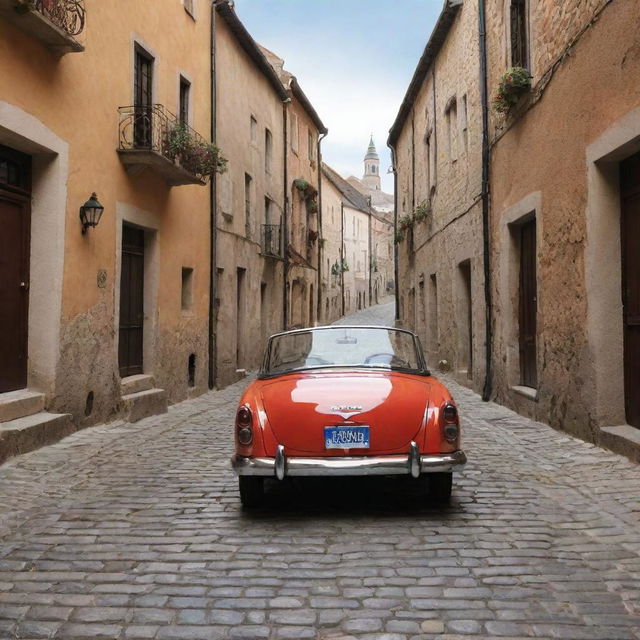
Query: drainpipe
x: 342, y: 252
x: 395, y: 231
x: 213, y: 205
x: 486, y: 159
x: 319, y: 214
x: 285, y: 220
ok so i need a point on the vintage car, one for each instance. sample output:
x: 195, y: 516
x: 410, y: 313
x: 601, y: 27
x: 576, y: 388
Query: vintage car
x: 345, y: 401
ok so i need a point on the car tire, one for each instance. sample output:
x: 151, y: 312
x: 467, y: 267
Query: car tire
x: 251, y: 491
x: 440, y: 485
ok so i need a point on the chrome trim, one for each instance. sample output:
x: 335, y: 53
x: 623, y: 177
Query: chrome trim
x: 280, y: 462
x: 348, y: 465
x: 414, y: 460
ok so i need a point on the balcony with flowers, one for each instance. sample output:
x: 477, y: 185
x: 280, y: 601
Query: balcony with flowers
x: 150, y: 137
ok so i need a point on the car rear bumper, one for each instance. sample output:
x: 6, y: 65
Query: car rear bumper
x: 413, y: 464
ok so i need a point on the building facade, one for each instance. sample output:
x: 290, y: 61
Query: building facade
x: 250, y: 202
x: 436, y: 143
x: 113, y: 320
x: 565, y: 217
x: 556, y: 165
x: 176, y: 288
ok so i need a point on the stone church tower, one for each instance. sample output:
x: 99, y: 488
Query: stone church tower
x: 371, y: 176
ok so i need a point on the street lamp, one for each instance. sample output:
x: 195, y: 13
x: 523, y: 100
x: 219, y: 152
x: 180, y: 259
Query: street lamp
x: 90, y: 212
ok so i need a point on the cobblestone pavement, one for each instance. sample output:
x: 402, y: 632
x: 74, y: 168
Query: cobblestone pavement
x: 136, y: 531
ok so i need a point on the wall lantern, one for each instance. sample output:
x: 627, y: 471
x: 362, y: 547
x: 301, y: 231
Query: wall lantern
x: 90, y: 212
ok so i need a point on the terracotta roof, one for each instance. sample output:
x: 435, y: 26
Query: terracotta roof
x: 353, y: 197
x: 438, y: 36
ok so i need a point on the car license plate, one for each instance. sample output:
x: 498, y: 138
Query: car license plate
x: 346, y: 437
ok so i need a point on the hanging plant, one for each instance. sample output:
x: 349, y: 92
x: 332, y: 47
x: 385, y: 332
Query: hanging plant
x: 406, y: 222
x: 335, y: 269
x: 398, y: 237
x: 203, y: 158
x: 301, y: 184
x: 422, y: 211
x: 345, y: 266
x: 513, y: 83
x: 312, y: 206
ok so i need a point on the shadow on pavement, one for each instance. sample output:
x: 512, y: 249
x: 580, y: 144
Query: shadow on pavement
x: 395, y: 497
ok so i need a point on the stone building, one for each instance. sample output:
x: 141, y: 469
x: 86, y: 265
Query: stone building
x: 112, y: 320
x: 332, y: 250
x: 565, y: 217
x: 436, y: 145
x: 251, y: 103
x: 304, y: 134
x: 382, y: 212
x: 353, y: 266
x: 559, y: 234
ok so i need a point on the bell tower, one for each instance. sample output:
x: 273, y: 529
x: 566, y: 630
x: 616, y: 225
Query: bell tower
x: 372, y: 167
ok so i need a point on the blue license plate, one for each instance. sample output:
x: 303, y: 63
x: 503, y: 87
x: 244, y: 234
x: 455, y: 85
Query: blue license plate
x: 346, y: 437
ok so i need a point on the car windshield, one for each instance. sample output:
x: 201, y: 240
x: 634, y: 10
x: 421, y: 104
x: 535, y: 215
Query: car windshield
x: 333, y: 347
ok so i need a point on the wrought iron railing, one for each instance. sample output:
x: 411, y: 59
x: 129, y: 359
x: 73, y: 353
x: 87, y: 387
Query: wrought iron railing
x: 67, y: 14
x: 271, y: 240
x: 154, y: 128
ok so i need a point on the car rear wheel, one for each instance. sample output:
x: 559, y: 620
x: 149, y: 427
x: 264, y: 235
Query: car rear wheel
x: 251, y: 490
x: 440, y: 485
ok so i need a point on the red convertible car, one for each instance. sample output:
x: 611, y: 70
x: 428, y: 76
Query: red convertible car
x: 345, y: 401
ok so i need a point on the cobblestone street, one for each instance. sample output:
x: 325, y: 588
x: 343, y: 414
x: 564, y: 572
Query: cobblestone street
x: 136, y: 531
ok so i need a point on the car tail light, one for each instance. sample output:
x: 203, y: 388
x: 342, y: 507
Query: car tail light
x: 244, y: 424
x: 450, y: 425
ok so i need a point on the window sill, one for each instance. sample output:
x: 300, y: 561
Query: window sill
x: 526, y: 392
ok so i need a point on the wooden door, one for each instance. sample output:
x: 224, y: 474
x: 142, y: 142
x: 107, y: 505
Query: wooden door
x: 131, y: 302
x: 15, y: 226
x: 528, y: 305
x: 143, y: 99
x: 630, y: 192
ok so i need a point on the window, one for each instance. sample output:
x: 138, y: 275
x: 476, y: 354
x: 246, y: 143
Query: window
x: 427, y: 151
x: 267, y: 210
x: 187, y: 288
x: 268, y: 150
x: 254, y: 130
x: 247, y: 203
x: 183, y: 110
x: 463, y: 123
x: 433, y: 313
x: 294, y: 132
x: 312, y: 145
x: 143, y: 98
x: 519, y: 34
x: 451, y: 114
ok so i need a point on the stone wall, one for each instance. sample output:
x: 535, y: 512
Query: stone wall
x: 541, y: 166
x: 438, y: 163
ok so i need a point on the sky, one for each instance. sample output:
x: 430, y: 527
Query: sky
x: 353, y: 58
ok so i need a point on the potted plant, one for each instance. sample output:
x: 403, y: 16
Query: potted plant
x: 514, y: 83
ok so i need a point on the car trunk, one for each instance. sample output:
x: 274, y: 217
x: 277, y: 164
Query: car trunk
x: 300, y: 407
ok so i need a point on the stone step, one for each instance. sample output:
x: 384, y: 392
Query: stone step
x: 135, y: 384
x: 21, y: 403
x: 142, y: 404
x: 31, y: 432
